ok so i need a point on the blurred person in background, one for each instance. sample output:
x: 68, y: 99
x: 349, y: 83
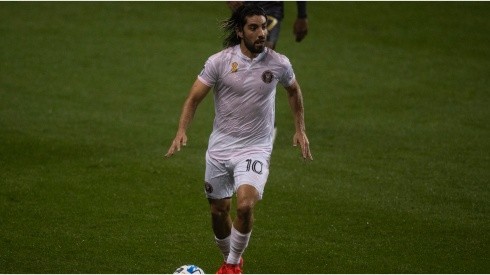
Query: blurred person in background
x: 275, y: 15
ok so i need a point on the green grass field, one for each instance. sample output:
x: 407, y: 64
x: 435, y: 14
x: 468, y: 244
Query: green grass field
x: 397, y: 106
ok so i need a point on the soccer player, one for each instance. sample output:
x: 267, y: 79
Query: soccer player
x: 244, y: 76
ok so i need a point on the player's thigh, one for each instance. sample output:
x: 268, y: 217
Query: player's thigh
x: 252, y: 170
x: 218, y: 181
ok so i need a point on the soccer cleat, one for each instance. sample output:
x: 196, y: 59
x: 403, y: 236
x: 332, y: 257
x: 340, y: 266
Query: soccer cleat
x: 231, y: 268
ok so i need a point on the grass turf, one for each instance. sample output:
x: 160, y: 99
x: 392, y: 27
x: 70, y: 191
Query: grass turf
x: 396, y: 98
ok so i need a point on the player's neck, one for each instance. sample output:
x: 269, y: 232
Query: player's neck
x: 247, y: 52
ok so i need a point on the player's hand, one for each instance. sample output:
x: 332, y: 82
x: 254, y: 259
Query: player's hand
x: 179, y: 141
x: 300, y: 28
x: 301, y: 139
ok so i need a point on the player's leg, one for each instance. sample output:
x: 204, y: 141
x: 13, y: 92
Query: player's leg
x: 221, y: 223
x: 222, y: 228
x: 251, y: 174
x: 247, y: 198
x: 219, y: 189
x: 220, y: 217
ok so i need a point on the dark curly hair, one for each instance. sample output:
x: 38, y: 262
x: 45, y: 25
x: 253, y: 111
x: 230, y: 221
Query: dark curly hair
x: 237, y: 21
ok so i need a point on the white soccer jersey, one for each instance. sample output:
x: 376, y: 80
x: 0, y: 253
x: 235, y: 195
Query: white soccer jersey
x: 244, y: 99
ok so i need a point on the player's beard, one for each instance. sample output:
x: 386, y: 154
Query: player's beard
x: 254, y: 47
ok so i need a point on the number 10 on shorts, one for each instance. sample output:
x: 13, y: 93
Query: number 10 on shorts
x: 255, y: 165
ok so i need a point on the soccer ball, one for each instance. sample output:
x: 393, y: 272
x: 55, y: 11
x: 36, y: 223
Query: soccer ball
x: 189, y: 269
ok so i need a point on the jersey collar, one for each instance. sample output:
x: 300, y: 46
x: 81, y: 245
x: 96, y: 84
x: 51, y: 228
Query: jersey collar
x: 247, y: 59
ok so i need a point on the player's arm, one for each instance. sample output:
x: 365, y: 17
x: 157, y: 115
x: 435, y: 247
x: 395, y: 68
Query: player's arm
x: 300, y: 27
x: 295, y: 99
x: 198, y: 91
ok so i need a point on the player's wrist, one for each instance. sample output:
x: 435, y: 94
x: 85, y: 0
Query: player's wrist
x: 301, y: 131
x: 301, y: 9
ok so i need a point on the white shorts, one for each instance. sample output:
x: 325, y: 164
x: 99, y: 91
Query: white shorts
x: 223, y: 177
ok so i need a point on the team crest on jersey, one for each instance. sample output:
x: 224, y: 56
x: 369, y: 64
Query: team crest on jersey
x: 234, y: 67
x: 267, y: 76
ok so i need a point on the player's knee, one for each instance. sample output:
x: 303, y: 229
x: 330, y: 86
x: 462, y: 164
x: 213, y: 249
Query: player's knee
x: 247, y: 197
x: 245, y: 209
x: 219, y: 209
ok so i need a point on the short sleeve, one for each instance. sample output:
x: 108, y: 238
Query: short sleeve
x: 209, y: 75
x: 288, y: 77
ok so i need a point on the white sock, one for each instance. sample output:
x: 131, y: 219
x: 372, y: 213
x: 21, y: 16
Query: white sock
x: 223, y: 245
x: 238, y: 243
